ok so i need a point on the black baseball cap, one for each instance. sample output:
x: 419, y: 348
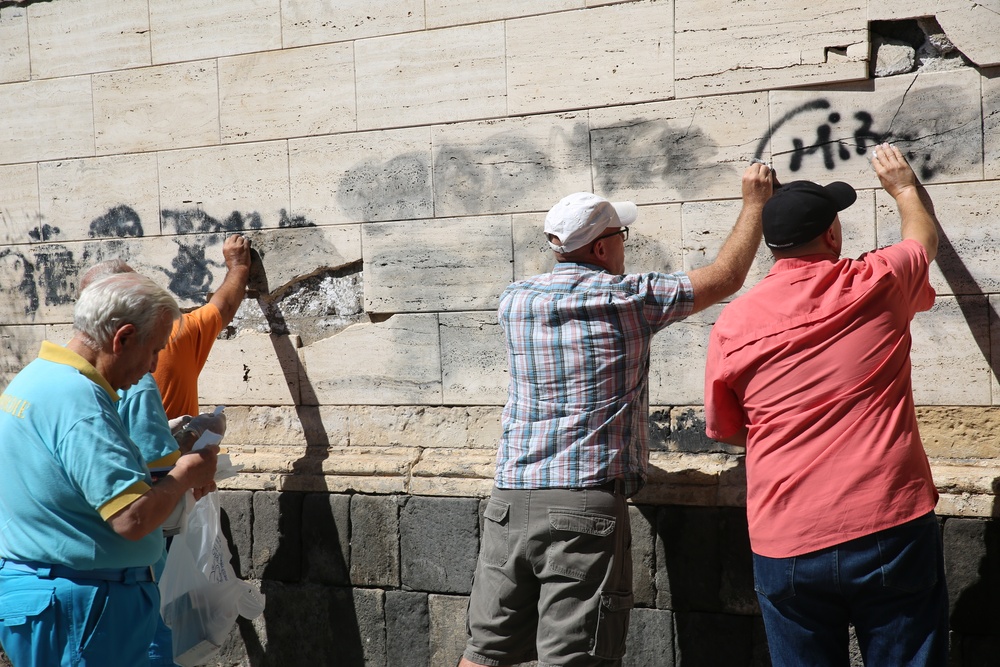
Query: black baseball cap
x: 800, y: 211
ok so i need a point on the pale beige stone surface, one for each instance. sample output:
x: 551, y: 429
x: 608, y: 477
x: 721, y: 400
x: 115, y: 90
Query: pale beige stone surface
x: 19, y: 209
x: 935, y: 119
x: 78, y: 36
x: 189, y: 29
x: 966, y: 262
x: 104, y: 197
x: 291, y: 93
x: 600, y: 58
x: 251, y: 369
x: 431, y: 77
x: 306, y: 22
x: 47, y: 120
x: 950, y: 353
x: 732, y: 46
x: 532, y: 254
x: 991, y: 123
x: 676, y: 151
x: 677, y: 360
x: 221, y: 182
x: 15, y: 64
x: 960, y: 432
x: 257, y: 427
x: 509, y: 165
x: 409, y: 426
x: 156, y: 108
x: 473, y: 361
x: 363, y: 176
x: 455, y: 12
x: 461, y: 463
x: 395, y: 361
x: 20, y: 346
x: 436, y: 265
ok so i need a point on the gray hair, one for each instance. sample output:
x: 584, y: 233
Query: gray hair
x: 118, y: 299
x: 106, y: 268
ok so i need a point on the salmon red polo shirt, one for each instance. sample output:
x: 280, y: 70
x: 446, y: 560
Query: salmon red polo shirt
x: 815, y: 361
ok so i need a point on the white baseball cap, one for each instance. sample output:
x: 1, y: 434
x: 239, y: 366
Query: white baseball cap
x: 581, y: 217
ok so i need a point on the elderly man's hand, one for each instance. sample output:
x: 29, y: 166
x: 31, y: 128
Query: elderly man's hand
x: 196, y: 470
x: 236, y: 251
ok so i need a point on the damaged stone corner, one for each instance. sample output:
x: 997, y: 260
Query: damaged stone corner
x: 912, y: 45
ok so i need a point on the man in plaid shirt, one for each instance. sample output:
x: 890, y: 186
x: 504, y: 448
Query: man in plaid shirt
x: 554, y: 578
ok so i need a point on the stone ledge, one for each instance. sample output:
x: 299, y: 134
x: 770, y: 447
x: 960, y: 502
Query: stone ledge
x: 968, y: 487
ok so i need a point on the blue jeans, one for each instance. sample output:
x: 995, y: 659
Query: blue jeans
x: 890, y: 585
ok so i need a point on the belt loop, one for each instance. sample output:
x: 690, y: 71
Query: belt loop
x: 44, y: 572
x: 129, y: 575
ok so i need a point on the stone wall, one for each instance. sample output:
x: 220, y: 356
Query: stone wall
x: 391, y: 163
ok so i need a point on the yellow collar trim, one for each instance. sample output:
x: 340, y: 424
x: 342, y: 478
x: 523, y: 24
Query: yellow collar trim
x: 61, y: 355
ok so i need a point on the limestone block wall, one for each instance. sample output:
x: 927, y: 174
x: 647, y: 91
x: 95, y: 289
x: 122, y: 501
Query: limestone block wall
x: 392, y: 162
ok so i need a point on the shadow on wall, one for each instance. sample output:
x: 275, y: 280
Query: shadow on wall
x: 300, y: 546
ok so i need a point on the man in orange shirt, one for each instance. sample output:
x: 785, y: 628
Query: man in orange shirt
x: 193, y: 336
x: 810, y: 371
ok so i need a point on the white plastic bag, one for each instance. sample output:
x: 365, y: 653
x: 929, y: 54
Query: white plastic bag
x: 200, y: 595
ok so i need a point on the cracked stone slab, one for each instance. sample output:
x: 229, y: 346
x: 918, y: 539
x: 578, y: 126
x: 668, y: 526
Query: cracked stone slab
x: 251, y: 369
x: 970, y: 25
x: 827, y: 135
x: 773, y: 45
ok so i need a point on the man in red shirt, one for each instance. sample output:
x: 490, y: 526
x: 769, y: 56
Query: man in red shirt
x: 810, y: 371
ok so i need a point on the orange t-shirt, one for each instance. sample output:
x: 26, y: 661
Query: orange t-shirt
x: 815, y: 362
x: 181, y: 361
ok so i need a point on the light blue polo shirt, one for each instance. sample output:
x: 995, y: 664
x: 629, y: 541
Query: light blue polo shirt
x: 66, y: 465
x: 141, y: 410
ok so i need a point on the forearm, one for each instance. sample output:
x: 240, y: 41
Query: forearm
x: 231, y: 293
x: 726, y: 274
x: 918, y: 221
x: 149, y: 511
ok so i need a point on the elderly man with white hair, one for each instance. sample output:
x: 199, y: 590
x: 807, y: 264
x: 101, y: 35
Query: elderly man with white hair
x: 80, y: 515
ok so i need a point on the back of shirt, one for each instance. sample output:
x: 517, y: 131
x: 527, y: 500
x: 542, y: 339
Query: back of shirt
x: 815, y: 360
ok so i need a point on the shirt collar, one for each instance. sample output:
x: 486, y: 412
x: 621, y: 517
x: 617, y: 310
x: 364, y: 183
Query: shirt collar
x: 61, y: 355
x: 568, y: 267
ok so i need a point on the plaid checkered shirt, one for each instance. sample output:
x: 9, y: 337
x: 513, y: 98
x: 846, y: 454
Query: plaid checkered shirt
x: 578, y: 342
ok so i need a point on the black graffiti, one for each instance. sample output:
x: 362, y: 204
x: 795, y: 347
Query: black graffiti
x: 642, y: 153
x: 195, y: 220
x: 396, y: 189
x: 838, y: 137
x: 121, y: 222
x: 55, y: 273
x: 191, y: 275
x: 43, y: 232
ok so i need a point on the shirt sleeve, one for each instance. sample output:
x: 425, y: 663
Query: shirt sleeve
x: 908, y: 263
x: 103, y: 463
x: 724, y: 414
x: 667, y: 298
x: 145, y: 421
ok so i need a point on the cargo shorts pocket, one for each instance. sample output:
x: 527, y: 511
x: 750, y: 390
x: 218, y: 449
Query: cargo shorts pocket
x: 612, y: 625
x: 496, y: 527
x: 20, y: 606
x: 581, y: 544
